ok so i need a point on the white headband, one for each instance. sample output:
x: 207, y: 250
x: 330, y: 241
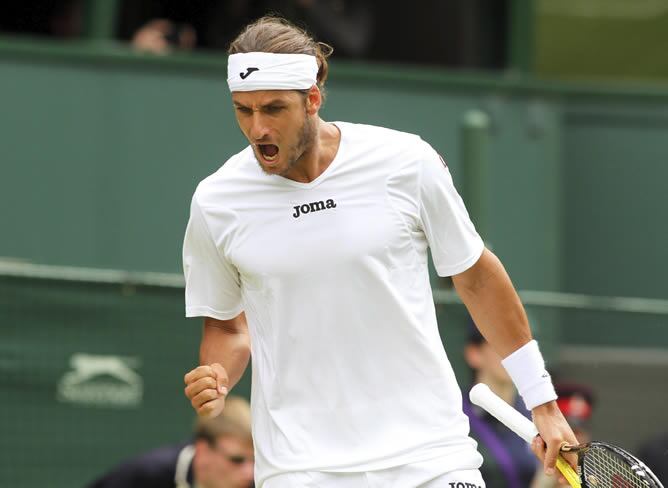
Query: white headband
x: 271, y: 71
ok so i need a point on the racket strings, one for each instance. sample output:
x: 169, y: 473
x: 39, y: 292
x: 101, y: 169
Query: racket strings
x: 604, y: 469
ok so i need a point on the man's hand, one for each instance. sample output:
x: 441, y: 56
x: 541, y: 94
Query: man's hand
x: 554, y: 433
x: 206, y: 388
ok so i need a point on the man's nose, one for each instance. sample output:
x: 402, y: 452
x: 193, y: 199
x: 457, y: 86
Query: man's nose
x: 258, y: 128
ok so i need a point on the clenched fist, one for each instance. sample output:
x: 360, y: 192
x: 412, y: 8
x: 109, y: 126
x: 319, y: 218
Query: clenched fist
x: 206, y: 388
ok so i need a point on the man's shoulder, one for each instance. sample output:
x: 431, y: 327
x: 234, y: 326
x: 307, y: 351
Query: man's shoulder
x: 238, y: 165
x: 227, y: 178
x: 385, y: 151
x: 377, y: 135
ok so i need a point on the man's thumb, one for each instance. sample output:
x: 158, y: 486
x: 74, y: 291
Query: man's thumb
x: 221, y: 378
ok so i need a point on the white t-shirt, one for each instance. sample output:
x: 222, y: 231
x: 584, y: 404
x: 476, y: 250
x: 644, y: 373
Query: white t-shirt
x: 349, y: 372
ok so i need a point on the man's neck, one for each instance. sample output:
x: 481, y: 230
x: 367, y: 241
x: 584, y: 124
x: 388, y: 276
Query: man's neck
x: 317, y: 158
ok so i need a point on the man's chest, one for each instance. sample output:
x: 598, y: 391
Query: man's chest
x: 314, y: 231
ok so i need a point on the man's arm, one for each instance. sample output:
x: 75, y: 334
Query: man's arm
x: 489, y: 295
x: 224, y: 354
x: 226, y: 342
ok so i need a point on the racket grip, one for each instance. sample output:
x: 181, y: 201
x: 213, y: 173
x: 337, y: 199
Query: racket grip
x: 568, y: 472
x: 485, y: 398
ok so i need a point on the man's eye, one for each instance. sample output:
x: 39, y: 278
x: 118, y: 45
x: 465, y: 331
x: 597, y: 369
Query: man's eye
x: 244, y: 110
x: 272, y: 109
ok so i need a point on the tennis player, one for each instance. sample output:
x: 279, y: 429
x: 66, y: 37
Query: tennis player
x: 310, y: 246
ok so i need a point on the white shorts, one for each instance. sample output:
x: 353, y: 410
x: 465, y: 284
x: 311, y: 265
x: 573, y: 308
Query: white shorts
x: 409, y: 476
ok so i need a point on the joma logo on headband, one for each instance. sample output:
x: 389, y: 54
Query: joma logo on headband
x: 248, y: 72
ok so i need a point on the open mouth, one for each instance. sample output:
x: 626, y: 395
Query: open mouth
x: 269, y: 152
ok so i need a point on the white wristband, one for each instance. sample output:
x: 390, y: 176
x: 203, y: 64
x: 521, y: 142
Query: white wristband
x: 526, y: 368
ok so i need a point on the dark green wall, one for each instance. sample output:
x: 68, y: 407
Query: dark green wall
x: 56, y: 439
x: 100, y: 163
x: 616, y: 179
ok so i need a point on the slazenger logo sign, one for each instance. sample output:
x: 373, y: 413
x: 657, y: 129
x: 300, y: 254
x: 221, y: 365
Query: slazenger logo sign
x: 101, y: 381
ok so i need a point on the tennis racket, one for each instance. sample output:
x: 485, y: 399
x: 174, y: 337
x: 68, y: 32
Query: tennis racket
x: 601, y: 465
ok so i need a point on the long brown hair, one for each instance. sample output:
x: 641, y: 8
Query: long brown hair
x: 272, y: 34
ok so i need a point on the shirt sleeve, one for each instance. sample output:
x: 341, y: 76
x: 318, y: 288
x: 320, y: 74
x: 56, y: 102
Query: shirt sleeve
x: 212, y: 282
x: 454, y: 242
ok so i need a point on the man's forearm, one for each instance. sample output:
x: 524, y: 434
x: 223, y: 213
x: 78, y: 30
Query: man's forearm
x: 494, y: 305
x: 226, y: 342
x: 497, y: 311
x: 492, y: 301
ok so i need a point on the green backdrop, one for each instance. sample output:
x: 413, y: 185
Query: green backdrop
x: 91, y: 373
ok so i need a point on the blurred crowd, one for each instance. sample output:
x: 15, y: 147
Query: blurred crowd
x: 219, y: 455
x: 452, y: 33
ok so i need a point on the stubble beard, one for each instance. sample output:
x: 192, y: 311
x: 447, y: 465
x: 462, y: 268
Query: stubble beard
x: 305, y: 142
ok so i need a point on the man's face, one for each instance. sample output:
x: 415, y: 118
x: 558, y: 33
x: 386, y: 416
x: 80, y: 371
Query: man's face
x: 228, y: 464
x: 279, y: 124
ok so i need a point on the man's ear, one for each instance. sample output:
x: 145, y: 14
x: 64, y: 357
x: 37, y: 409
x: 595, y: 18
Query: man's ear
x: 313, y: 100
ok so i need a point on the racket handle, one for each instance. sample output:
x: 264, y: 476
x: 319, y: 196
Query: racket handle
x: 568, y: 472
x: 485, y: 398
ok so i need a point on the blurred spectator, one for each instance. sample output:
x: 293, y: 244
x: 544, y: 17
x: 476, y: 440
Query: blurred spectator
x: 215, y: 23
x: 219, y: 456
x: 576, y: 402
x: 162, y: 36
x: 508, y: 460
x: 654, y: 453
x: 160, y: 26
x: 345, y: 23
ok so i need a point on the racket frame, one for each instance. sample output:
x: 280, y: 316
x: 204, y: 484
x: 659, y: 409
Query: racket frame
x: 634, y: 463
